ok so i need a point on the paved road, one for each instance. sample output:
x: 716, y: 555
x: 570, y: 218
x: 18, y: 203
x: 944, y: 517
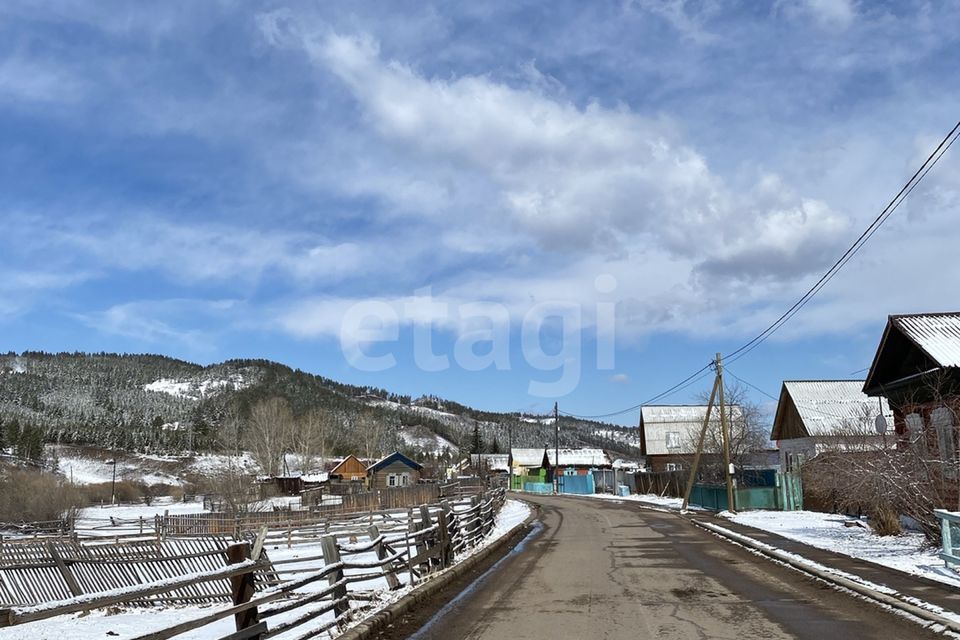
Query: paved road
x: 605, y: 570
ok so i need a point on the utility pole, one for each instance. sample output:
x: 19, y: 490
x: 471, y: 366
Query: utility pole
x: 556, y: 448
x: 725, y: 427
x: 724, y: 436
x: 510, y: 455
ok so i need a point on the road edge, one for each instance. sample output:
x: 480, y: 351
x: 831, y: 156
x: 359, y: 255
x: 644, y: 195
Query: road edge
x: 889, y: 600
x: 367, y: 627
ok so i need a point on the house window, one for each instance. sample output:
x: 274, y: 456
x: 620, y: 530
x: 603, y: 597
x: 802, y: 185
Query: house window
x: 673, y: 466
x: 673, y: 439
x: 391, y: 480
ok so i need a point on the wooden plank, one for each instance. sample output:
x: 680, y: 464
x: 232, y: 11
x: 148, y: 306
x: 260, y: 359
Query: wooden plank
x: 242, y: 586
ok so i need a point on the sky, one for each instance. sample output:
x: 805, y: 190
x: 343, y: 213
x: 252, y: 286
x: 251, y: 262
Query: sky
x: 508, y: 204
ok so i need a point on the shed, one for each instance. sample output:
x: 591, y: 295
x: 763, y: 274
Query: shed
x: 395, y: 470
x: 814, y: 415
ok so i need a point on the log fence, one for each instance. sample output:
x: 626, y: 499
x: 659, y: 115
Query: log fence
x: 321, y: 592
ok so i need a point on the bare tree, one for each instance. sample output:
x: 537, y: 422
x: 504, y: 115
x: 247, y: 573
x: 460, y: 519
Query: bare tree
x: 371, y: 431
x: 315, y: 434
x: 748, y: 434
x: 908, y: 473
x: 268, y: 434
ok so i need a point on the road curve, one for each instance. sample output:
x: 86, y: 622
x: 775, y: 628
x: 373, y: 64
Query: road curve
x: 613, y: 570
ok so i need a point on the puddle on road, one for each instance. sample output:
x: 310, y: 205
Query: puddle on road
x: 422, y: 632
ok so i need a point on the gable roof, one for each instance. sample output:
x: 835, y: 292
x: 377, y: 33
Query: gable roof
x: 680, y: 414
x: 935, y: 335
x: 532, y: 458
x: 826, y: 407
x: 344, y: 462
x: 396, y: 456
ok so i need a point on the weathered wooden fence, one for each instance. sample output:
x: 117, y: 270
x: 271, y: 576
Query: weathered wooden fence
x: 662, y: 483
x: 397, y: 551
x: 238, y: 524
x: 34, y: 573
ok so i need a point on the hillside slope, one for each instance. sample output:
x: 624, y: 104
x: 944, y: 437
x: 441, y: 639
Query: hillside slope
x: 152, y: 403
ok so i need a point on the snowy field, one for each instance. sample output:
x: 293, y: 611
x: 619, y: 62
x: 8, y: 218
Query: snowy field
x: 907, y: 552
x: 648, y: 498
x: 124, y: 623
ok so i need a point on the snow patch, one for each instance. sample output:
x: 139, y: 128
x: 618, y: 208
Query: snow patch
x: 195, y: 389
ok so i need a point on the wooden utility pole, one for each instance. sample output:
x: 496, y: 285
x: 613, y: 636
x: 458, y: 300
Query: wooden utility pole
x: 725, y: 428
x: 556, y: 448
x: 696, y: 458
x: 724, y: 436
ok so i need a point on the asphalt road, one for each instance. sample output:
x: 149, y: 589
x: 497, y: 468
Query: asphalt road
x: 605, y: 570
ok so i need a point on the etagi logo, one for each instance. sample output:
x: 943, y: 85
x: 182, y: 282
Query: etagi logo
x: 551, y: 335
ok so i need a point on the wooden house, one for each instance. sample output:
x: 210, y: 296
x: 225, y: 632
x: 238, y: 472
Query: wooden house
x: 395, y: 470
x: 669, y: 433
x: 578, y: 461
x: 917, y: 369
x: 350, y: 469
x: 818, y: 415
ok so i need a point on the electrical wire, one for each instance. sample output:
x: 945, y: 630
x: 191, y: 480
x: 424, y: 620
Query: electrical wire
x: 884, y: 215
x: 744, y: 349
x: 683, y: 384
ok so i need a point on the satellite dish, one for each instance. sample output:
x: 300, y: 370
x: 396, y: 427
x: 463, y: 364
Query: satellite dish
x: 880, y: 424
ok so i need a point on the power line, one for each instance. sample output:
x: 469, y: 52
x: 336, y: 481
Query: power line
x: 847, y: 255
x: 887, y: 211
x: 683, y: 384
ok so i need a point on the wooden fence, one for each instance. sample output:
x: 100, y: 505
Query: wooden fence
x: 662, y: 483
x: 35, y: 573
x: 396, y: 552
x: 240, y: 524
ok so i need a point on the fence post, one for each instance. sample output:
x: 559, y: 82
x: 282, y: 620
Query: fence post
x: 388, y: 571
x: 443, y: 539
x: 242, y: 587
x: 64, y: 570
x: 331, y: 555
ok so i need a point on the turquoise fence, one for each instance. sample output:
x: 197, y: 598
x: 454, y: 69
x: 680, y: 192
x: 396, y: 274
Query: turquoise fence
x: 577, y: 485
x: 538, y: 487
x: 786, y: 495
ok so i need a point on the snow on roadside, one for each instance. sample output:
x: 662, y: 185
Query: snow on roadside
x: 907, y: 552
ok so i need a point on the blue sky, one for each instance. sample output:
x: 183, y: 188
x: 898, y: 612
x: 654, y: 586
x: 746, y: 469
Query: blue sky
x: 595, y: 195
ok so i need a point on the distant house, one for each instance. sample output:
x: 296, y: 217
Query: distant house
x: 814, y: 415
x: 669, y: 433
x: 395, y: 470
x: 350, y: 469
x: 578, y: 461
x: 917, y: 369
x: 530, y: 462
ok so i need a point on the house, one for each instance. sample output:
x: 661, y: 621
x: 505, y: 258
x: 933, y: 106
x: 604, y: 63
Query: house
x: 350, y: 469
x: 578, y: 461
x: 530, y: 462
x: 817, y: 415
x: 669, y: 433
x: 917, y: 369
x: 395, y: 470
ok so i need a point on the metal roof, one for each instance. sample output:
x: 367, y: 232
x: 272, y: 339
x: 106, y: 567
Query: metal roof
x: 527, y: 457
x: 690, y: 414
x: 829, y: 406
x: 579, y: 457
x: 938, y: 334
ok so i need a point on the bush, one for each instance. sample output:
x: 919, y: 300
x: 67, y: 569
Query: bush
x: 32, y: 496
x: 885, y: 522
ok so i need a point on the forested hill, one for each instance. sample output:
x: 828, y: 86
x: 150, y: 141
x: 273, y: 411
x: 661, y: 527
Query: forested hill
x: 156, y: 404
